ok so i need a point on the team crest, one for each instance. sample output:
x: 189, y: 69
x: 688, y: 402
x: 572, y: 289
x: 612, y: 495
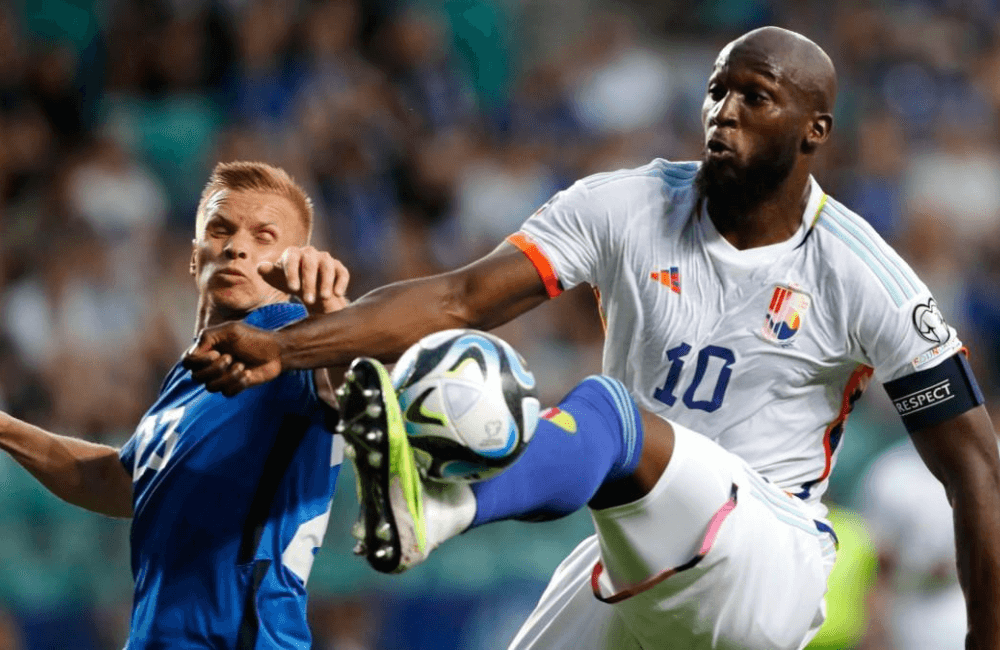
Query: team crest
x: 669, y: 278
x: 785, y: 315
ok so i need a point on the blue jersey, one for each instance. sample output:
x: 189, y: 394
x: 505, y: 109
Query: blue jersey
x: 231, y: 500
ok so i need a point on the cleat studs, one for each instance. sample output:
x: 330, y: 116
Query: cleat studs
x: 358, y: 531
x: 373, y: 410
x: 350, y: 376
x: 384, y: 531
x: 374, y: 435
x: 375, y: 459
x: 341, y: 427
x: 384, y: 552
x: 360, y: 548
x: 341, y: 392
x: 350, y: 452
x: 370, y: 393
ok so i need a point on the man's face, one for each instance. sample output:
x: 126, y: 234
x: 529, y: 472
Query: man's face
x: 241, y: 230
x: 754, y: 125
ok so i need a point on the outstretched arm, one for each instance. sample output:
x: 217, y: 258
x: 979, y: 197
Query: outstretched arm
x: 83, y: 473
x: 381, y: 324
x: 962, y: 454
x: 386, y: 321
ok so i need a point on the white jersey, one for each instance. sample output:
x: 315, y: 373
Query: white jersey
x: 763, y: 350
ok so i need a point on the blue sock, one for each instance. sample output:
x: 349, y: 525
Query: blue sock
x: 593, y: 438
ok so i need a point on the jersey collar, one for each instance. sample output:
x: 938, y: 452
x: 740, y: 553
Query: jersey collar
x: 271, y: 317
x: 722, y: 250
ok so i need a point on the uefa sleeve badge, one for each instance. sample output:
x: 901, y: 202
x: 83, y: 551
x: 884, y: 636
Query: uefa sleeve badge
x: 930, y: 323
x: 785, y: 315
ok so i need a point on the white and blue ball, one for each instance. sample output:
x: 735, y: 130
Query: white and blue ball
x: 468, y: 403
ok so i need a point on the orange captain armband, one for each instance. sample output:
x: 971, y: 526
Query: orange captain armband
x: 541, y: 263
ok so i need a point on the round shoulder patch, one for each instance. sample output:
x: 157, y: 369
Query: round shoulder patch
x: 930, y: 323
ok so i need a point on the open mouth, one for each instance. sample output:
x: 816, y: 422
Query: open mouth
x: 717, y: 147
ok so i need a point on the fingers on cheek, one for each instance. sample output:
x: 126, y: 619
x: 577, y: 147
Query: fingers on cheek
x: 292, y: 270
x: 328, y: 274
x: 310, y: 273
x: 343, y: 279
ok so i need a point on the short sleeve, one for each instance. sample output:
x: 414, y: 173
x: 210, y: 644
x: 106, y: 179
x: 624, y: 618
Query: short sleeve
x: 906, y: 338
x: 568, y: 238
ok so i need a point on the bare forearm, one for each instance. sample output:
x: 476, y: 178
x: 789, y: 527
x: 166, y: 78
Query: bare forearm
x: 962, y: 453
x: 977, y: 531
x: 383, y: 323
x: 83, y: 473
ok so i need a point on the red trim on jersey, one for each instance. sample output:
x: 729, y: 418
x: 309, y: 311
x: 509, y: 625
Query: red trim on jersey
x: 541, y: 263
x: 706, y: 545
x: 856, y: 385
x: 600, y: 310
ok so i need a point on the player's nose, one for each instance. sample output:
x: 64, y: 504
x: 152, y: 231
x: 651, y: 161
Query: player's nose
x: 724, y: 112
x: 234, y: 249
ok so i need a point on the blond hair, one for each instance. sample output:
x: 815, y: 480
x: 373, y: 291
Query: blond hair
x: 255, y: 177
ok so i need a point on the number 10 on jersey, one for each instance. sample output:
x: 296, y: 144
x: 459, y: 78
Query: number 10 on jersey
x: 677, y: 356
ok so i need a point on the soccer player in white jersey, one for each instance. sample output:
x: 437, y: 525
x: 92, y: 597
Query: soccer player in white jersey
x: 742, y: 303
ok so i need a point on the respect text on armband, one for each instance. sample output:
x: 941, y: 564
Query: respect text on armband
x: 929, y: 397
x: 924, y: 398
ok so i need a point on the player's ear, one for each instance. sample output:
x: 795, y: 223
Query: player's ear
x: 818, y: 133
x: 194, y: 258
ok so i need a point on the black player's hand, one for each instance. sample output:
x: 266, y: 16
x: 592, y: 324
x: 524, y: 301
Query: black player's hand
x: 231, y: 357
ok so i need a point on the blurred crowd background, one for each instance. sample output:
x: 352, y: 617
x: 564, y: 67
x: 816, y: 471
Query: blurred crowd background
x: 426, y: 131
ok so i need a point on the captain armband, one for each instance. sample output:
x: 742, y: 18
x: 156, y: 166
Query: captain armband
x: 932, y: 396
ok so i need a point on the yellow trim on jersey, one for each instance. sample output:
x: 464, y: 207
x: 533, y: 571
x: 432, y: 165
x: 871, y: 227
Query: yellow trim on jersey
x: 819, y: 209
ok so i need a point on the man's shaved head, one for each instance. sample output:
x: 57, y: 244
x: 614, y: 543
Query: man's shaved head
x: 793, y: 59
x: 768, y: 108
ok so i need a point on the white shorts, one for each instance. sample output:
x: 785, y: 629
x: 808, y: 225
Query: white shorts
x: 712, y: 565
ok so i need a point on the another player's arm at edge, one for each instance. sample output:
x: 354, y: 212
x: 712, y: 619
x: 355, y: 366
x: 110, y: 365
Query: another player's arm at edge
x: 962, y: 453
x: 380, y: 324
x: 83, y: 473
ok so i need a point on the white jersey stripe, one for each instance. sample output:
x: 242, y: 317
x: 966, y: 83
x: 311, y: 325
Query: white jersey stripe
x: 763, y: 487
x: 596, y: 183
x: 862, y: 230
x: 791, y: 521
x: 853, y: 227
x: 677, y: 181
x: 681, y: 175
x: 600, y: 179
x: 905, y: 271
x: 887, y: 283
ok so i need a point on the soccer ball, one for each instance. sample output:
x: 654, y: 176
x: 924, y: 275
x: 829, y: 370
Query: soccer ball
x: 468, y: 404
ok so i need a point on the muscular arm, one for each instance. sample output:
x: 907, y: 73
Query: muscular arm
x: 962, y: 454
x: 386, y: 321
x: 381, y: 324
x: 83, y: 473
